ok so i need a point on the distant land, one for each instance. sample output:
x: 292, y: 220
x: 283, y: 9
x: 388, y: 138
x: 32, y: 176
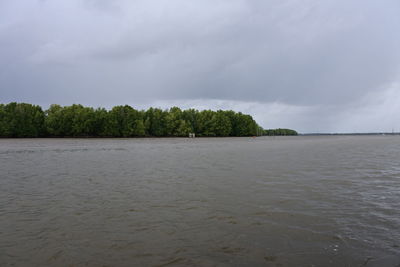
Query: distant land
x: 372, y: 133
x: 27, y: 120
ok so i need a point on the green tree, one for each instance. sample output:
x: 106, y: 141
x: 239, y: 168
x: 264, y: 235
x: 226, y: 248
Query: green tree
x: 175, y: 125
x: 21, y: 120
x: 125, y: 121
x: 190, y: 116
x: 100, y: 123
x: 4, y: 132
x: 206, y: 124
x: 54, y: 122
x: 26, y: 120
x: 155, y: 122
x: 280, y: 131
x: 221, y: 123
x: 245, y: 125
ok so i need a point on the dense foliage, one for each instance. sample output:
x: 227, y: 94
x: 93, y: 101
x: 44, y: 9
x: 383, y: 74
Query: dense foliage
x: 21, y: 120
x: 26, y: 120
x: 273, y: 132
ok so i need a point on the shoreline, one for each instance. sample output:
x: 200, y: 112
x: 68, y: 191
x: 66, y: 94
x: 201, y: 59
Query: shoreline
x: 204, y: 137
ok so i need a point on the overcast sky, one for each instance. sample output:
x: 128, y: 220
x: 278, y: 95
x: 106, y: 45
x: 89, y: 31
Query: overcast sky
x: 311, y: 65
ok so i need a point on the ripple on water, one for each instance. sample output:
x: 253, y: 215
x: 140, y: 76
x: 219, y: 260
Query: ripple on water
x: 322, y: 201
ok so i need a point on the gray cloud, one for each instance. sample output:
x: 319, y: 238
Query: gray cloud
x: 322, y: 56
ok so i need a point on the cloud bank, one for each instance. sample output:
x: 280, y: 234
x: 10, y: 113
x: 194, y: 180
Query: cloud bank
x: 305, y: 64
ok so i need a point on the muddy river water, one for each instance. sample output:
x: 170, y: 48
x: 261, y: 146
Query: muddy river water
x: 266, y: 201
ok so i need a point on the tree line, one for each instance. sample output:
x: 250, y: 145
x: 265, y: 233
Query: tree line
x: 279, y: 131
x: 27, y: 120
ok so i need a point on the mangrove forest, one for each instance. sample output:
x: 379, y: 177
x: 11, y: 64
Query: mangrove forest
x: 279, y: 132
x: 27, y: 120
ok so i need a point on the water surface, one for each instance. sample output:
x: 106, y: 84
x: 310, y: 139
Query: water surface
x: 267, y: 201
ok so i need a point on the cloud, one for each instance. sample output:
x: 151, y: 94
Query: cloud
x: 295, y: 58
x: 375, y: 112
x: 268, y: 115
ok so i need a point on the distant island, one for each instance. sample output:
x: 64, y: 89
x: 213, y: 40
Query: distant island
x: 27, y: 120
x: 279, y: 132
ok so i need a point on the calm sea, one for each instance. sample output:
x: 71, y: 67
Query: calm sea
x: 266, y: 201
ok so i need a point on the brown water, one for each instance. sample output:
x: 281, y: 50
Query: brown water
x: 294, y: 201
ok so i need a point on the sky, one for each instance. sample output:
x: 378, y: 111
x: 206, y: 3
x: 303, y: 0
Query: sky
x: 309, y: 65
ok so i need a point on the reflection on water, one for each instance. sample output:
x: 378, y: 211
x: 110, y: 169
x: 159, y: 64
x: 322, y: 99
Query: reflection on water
x: 294, y: 201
